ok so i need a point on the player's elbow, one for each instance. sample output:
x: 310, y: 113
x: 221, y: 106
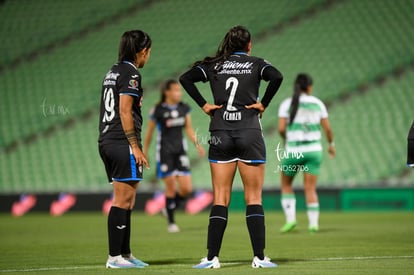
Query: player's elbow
x: 184, y: 80
x: 282, y: 132
x: 273, y: 75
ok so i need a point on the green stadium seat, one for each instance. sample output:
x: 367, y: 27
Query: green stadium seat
x: 342, y: 45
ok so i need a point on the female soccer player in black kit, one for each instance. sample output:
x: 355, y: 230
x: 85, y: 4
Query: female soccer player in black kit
x: 234, y: 78
x: 171, y: 116
x: 120, y: 142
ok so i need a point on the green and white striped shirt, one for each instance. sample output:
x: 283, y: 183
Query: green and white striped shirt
x: 304, y: 134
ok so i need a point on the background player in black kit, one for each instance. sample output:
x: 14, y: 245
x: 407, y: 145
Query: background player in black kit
x: 234, y: 78
x: 120, y: 142
x: 171, y: 116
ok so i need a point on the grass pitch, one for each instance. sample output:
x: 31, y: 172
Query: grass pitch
x: 76, y: 243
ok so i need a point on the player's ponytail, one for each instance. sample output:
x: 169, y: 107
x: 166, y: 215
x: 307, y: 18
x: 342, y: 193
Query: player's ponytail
x: 131, y: 43
x: 236, y: 39
x: 302, y: 82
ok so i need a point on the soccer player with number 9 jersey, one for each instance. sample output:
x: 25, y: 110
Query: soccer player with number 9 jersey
x: 120, y: 142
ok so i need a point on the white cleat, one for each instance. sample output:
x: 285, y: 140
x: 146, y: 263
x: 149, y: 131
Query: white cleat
x: 205, y: 263
x: 265, y: 263
x: 130, y: 258
x: 119, y: 262
x: 173, y: 228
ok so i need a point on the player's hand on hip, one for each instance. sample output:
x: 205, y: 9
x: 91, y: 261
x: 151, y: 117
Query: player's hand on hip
x: 140, y: 158
x: 258, y: 106
x: 209, y: 108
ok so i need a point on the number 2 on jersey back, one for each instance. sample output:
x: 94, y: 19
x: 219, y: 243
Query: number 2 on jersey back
x: 234, y: 83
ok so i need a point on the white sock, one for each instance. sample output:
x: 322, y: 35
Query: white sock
x: 313, y: 213
x: 288, y: 202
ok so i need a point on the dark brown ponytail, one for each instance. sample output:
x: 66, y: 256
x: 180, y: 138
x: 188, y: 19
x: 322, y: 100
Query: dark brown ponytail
x: 302, y: 82
x: 236, y: 39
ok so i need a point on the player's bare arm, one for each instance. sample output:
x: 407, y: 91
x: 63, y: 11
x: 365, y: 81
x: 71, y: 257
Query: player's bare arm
x: 125, y: 112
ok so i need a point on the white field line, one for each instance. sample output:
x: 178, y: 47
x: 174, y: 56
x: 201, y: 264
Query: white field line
x: 53, y: 268
x: 358, y: 258
x: 224, y: 263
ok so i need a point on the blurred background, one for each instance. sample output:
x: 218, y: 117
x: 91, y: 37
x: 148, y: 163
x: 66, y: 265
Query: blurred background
x: 54, y: 55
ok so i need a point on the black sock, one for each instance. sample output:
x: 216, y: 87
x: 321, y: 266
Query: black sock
x: 256, y: 224
x: 178, y: 199
x: 117, y: 224
x: 170, y: 205
x: 216, y: 227
x: 126, y: 249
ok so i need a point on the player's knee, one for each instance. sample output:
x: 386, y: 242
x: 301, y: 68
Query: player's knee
x: 253, y: 197
x: 185, y: 191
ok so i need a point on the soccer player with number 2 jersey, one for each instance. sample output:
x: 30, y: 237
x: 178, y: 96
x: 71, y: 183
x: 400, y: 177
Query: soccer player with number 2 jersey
x: 234, y: 78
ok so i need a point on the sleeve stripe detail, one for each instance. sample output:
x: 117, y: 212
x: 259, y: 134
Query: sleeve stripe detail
x: 261, y: 72
x: 125, y: 93
x: 204, y: 73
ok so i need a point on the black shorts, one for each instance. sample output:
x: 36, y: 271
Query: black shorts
x: 177, y: 164
x: 245, y: 145
x: 120, y: 163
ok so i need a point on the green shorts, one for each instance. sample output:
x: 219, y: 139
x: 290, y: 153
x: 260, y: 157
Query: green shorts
x: 308, y: 162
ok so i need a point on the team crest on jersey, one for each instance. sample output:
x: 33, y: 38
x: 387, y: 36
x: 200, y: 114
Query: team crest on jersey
x: 133, y: 84
x: 174, y: 113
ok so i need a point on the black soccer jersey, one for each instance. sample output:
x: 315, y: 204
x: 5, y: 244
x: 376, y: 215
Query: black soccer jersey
x: 411, y: 132
x: 235, y: 84
x: 170, y: 123
x: 123, y: 79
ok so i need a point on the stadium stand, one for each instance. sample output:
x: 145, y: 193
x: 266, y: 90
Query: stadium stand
x: 50, y: 104
x: 29, y: 26
x: 78, y: 67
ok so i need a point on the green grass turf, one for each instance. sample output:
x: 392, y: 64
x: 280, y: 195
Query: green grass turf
x: 76, y: 243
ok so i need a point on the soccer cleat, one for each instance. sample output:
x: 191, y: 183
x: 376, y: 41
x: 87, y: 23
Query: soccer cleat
x: 289, y: 226
x: 135, y: 261
x: 313, y: 229
x: 265, y: 263
x: 173, y: 228
x: 119, y: 262
x: 205, y: 263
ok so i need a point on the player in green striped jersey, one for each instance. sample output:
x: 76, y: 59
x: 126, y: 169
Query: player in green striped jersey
x: 301, y: 118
